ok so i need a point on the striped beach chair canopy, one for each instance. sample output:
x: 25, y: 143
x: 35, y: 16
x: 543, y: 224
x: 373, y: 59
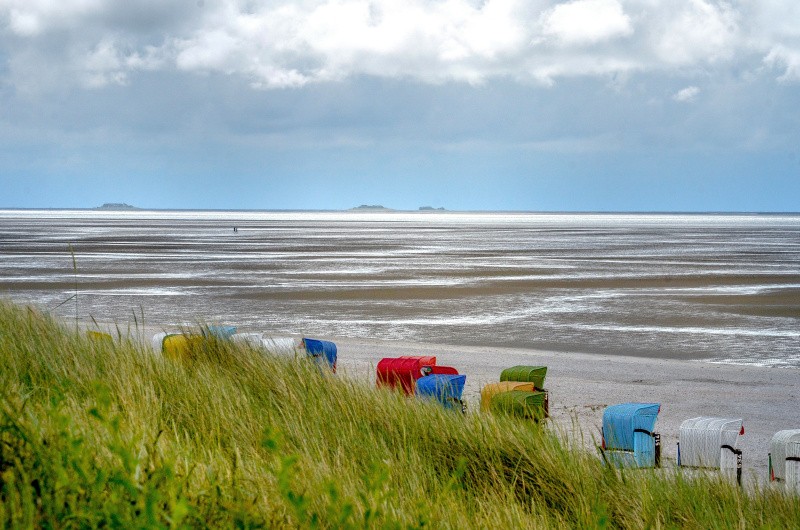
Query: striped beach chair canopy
x: 704, y: 439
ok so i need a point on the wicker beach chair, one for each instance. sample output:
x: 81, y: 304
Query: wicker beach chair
x: 525, y: 374
x: 180, y: 346
x: 709, y: 442
x: 521, y: 403
x: 444, y: 388
x: 99, y: 337
x: 402, y: 372
x: 281, y: 346
x: 628, y: 437
x: 323, y: 351
x: 219, y: 332
x: 284, y: 346
x: 491, y: 389
x: 533, y: 403
x: 784, y: 458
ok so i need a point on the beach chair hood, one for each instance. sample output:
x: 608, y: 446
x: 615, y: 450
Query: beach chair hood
x: 221, y: 332
x: 321, y: 350
x: 520, y: 403
x: 402, y: 371
x: 527, y: 374
x: 702, y: 438
x: 446, y: 388
x: 489, y: 390
x: 784, y: 444
x: 628, y: 427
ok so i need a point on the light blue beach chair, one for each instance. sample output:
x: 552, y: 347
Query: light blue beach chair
x: 628, y: 437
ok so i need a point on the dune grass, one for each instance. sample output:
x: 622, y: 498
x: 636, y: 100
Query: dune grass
x: 100, y: 433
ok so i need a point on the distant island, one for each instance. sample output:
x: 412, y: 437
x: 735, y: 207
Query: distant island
x: 372, y: 207
x: 431, y: 209
x: 116, y: 206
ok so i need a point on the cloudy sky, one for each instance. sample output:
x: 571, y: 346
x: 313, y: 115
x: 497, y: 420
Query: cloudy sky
x: 642, y: 105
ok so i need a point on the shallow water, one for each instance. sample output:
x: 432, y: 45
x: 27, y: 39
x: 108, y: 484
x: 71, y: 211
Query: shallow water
x: 723, y: 288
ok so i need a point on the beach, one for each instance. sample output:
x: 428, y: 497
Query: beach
x: 697, y: 312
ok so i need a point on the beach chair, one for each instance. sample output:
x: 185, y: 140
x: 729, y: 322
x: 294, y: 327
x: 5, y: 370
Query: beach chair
x: 628, y: 437
x: 251, y: 340
x: 180, y: 346
x: 784, y: 458
x: 444, y: 388
x: 438, y: 369
x: 527, y: 374
x: 521, y: 374
x: 491, y: 389
x: 709, y: 442
x: 281, y: 346
x: 521, y: 403
x: 219, y: 332
x: 402, y: 372
x: 323, y: 351
x: 99, y: 337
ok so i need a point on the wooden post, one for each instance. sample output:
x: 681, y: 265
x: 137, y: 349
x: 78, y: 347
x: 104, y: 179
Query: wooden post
x: 657, y: 438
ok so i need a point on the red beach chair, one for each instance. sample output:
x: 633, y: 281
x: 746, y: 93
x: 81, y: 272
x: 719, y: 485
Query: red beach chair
x: 443, y: 370
x: 402, y: 371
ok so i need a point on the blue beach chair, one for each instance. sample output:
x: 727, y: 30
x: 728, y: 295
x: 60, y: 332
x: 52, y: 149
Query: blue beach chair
x: 628, y: 437
x: 321, y: 350
x: 221, y: 332
x: 445, y: 388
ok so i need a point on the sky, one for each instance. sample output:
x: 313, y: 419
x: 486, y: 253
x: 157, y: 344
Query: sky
x: 535, y: 105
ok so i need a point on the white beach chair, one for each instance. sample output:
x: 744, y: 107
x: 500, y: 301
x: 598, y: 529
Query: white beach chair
x: 784, y: 455
x: 253, y: 340
x: 158, y: 341
x: 709, y: 442
x: 792, y: 467
x: 282, y: 346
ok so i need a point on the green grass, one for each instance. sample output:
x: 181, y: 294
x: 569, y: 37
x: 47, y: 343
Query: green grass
x: 99, y: 434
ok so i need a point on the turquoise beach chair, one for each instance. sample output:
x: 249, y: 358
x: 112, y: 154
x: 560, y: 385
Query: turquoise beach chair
x: 628, y: 437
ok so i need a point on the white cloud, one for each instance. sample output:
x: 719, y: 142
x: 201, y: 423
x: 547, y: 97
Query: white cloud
x: 696, y: 32
x: 288, y: 43
x: 786, y: 58
x: 583, y: 22
x: 687, y: 94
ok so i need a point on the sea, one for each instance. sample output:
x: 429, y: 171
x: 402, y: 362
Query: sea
x: 707, y: 287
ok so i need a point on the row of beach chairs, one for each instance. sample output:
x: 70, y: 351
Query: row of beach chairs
x: 178, y: 345
x: 629, y: 440
x: 628, y: 436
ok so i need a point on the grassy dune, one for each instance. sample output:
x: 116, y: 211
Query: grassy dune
x: 96, y: 433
